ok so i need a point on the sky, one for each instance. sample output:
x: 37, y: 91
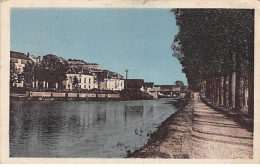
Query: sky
x: 117, y: 39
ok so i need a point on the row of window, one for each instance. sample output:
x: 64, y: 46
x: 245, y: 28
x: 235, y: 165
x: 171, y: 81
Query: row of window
x: 117, y: 84
x: 85, y: 80
x: 81, y: 86
x: 85, y: 87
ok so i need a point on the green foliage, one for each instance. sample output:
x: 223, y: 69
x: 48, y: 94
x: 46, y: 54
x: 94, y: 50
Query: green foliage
x: 28, y: 73
x: 13, y: 73
x: 75, y: 81
x: 179, y: 83
x: 213, y: 42
x: 52, y: 69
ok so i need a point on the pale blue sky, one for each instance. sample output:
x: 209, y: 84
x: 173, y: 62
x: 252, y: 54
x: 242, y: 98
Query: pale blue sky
x: 117, y: 39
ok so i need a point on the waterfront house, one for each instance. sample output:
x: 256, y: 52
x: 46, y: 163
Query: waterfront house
x: 109, y: 80
x: 20, y: 60
x: 35, y: 59
x: 114, y: 81
x: 85, y: 79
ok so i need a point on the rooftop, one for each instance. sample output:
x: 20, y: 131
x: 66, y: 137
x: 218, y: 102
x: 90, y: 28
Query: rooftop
x: 18, y: 55
x: 78, y: 70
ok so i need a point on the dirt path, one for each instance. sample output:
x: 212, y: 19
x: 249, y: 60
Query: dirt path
x: 200, y: 132
x: 216, y: 136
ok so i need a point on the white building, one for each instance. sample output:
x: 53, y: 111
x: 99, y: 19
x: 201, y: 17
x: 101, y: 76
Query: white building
x: 20, y: 60
x: 36, y: 60
x: 109, y: 80
x: 115, y: 84
x: 86, y: 80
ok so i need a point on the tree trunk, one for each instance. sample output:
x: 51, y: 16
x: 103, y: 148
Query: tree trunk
x: 251, y: 75
x: 239, y: 83
x: 213, y: 90
x: 251, y: 92
x: 225, y: 91
x: 230, y: 90
x: 220, y: 83
x: 238, y: 92
x: 216, y: 90
x: 209, y: 86
x: 234, y: 78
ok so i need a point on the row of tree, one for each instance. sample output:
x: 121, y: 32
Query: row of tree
x: 216, y: 50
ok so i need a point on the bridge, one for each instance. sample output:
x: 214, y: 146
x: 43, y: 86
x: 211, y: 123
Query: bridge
x: 165, y: 91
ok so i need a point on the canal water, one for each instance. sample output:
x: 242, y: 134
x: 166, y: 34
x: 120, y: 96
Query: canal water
x: 92, y: 129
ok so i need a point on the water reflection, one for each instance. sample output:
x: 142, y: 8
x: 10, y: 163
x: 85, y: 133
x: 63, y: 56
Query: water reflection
x: 83, y: 129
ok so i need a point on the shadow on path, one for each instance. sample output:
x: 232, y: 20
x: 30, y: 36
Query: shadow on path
x: 216, y: 136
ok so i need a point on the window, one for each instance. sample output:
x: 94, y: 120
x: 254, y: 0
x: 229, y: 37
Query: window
x: 85, y: 86
x: 89, y: 80
x: 89, y: 87
x: 85, y: 80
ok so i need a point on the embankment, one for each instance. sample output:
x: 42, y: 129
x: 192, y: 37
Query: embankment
x: 199, y: 132
x: 172, y: 139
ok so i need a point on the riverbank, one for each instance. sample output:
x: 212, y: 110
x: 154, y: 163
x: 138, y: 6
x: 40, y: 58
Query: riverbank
x: 198, y: 132
x: 124, y: 95
x: 62, y: 99
x: 172, y: 139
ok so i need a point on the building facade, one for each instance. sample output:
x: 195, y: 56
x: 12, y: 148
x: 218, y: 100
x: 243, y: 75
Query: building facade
x: 115, y: 84
x: 108, y: 80
x: 85, y: 80
x: 19, y: 60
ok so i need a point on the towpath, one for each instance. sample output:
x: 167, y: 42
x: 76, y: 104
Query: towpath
x: 199, y: 132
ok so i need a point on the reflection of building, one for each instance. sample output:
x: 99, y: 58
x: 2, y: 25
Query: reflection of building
x: 86, y: 80
x: 20, y: 60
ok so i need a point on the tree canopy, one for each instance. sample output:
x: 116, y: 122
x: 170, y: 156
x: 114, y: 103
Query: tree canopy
x: 52, y: 69
x: 212, y: 46
x: 212, y: 42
